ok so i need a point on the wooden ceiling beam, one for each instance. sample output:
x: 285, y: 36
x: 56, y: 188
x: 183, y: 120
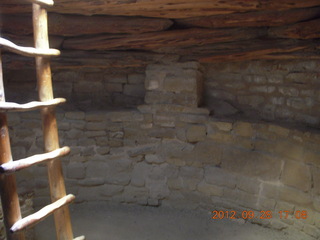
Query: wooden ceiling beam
x: 252, y: 19
x: 156, y: 41
x: 73, y: 25
x: 160, y: 8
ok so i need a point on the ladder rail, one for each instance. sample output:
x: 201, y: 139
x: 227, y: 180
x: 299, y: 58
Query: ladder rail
x: 49, y: 122
x: 8, y: 185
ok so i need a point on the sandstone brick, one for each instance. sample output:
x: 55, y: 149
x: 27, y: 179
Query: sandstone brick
x: 295, y: 196
x: 188, y: 81
x: 135, y: 195
x: 278, y: 225
x: 209, y: 189
x: 117, y: 135
x: 139, y: 174
x: 311, y: 230
x: 205, y: 153
x: 113, y: 87
x: 284, y: 206
x: 282, y: 131
x: 142, y: 150
x: 263, y: 89
x: 103, y: 150
x: 95, y: 117
x: 94, y: 126
x: 316, y: 203
x: 92, y: 182
x: 266, y: 203
x: 296, y: 175
x: 185, y: 99
x: 243, y: 129
x: 174, y: 148
x: 115, y: 78
x: 175, y: 183
x: 110, y: 190
x: 125, y: 116
x: 152, y: 158
x: 164, y: 120
x: 241, y: 198
x: 88, y: 87
x: 115, y: 143
x: 249, y: 185
x: 253, y: 101
x: 136, y: 78
x: 289, y: 91
x: 254, y: 78
x: 192, y: 118
x: 244, y: 142
x: 219, y: 177
x: 95, y: 169
x: 162, y: 133
x: 222, y: 126
x: 76, y: 170
x: 91, y: 134
x: 285, y: 148
x: 88, y: 193
x: 196, y: 133
x: 191, y: 177
x: 134, y: 90
x: 225, y: 138
x: 117, y: 178
x: 157, y: 186
x: 252, y: 164
x: 176, y: 161
x: 75, y: 115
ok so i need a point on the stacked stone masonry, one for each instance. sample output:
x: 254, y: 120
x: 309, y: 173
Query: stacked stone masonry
x: 198, y: 161
x: 169, y: 151
x: 269, y: 90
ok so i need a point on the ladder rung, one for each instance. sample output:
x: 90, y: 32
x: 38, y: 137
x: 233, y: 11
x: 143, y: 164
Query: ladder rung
x: 28, y: 51
x: 80, y: 238
x: 15, y: 107
x: 17, y: 165
x: 43, y: 2
x: 41, y: 214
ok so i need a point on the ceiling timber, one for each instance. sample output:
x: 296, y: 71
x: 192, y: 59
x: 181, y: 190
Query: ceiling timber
x: 147, y: 30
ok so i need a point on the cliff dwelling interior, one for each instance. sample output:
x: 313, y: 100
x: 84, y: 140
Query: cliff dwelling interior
x: 185, y: 119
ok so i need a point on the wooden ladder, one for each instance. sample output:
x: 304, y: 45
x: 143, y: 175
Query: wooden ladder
x: 10, y: 202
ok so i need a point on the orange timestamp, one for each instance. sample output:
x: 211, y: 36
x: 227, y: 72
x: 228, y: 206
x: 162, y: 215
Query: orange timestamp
x: 283, y: 214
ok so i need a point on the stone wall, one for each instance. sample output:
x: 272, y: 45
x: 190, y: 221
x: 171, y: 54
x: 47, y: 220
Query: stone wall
x: 169, y: 151
x: 286, y: 91
x: 88, y: 89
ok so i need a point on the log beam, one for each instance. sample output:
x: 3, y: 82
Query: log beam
x: 252, y: 19
x: 303, y: 30
x: 74, y: 25
x: 172, y: 9
x: 156, y: 41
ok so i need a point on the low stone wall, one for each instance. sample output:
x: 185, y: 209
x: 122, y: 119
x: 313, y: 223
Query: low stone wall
x: 181, y: 157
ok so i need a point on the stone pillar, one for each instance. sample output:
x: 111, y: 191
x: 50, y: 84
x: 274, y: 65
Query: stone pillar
x: 174, y: 83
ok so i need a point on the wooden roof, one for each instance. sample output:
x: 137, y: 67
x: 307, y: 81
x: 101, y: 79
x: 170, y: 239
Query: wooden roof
x: 147, y: 30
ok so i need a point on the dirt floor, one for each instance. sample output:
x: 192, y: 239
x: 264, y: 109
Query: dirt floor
x: 113, y: 222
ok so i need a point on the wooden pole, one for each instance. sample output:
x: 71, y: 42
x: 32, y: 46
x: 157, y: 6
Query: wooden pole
x: 8, y: 186
x: 50, y: 131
